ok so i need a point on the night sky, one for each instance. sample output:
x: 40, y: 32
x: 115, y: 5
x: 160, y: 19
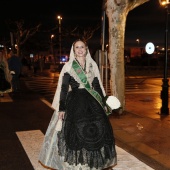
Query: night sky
x: 146, y: 22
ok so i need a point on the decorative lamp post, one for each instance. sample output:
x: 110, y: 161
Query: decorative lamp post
x: 59, y: 21
x: 165, y: 85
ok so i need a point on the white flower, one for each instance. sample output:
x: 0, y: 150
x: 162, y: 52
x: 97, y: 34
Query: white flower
x: 113, y: 102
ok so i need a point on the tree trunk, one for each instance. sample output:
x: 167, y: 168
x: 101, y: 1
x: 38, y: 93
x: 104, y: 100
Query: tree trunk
x: 116, y: 11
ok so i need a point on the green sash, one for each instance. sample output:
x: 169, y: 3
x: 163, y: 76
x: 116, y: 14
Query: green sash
x: 79, y: 71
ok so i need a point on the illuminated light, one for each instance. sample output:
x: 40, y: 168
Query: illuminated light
x: 16, y: 46
x: 164, y: 2
x: 150, y: 48
x: 52, y: 36
x: 63, y: 59
x: 59, y: 17
x: 137, y: 40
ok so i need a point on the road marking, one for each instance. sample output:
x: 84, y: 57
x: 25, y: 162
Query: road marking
x: 46, y: 102
x: 32, y: 141
x: 126, y: 161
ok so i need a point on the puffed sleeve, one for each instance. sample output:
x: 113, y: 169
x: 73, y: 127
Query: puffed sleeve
x: 64, y: 91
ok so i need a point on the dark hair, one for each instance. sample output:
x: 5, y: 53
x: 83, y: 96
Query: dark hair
x: 80, y: 40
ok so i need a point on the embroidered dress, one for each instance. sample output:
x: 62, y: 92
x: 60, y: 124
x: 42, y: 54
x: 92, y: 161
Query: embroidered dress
x: 86, y: 140
x: 5, y: 85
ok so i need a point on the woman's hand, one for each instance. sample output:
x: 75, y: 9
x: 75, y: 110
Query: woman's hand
x: 61, y: 115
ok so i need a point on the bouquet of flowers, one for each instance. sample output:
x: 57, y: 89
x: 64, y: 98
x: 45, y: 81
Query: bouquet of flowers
x: 112, y: 103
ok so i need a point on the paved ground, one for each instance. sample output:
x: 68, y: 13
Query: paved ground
x: 142, y: 135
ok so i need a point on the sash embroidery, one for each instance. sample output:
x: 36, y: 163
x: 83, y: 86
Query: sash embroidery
x: 80, y: 73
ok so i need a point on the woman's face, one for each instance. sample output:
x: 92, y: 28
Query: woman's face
x: 80, y: 49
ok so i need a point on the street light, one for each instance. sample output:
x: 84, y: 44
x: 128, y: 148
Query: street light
x: 59, y: 21
x: 165, y: 85
x: 137, y: 40
x: 52, y: 48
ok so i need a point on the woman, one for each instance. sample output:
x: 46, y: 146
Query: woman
x: 5, y: 76
x: 15, y: 66
x: 86, y: 140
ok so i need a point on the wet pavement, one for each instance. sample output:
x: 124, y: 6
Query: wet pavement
x: 143, y: 131
x: 142, y: 134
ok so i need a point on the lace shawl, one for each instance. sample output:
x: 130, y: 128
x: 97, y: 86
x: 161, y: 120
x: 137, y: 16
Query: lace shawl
x: 91, y: 69
x: 4, y: 64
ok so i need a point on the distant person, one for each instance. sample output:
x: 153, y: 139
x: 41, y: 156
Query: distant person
x: 15, y: 67
x: 35, y: 65
x: 79, y: 136
x: 41, y: 63
x: 5, y: 76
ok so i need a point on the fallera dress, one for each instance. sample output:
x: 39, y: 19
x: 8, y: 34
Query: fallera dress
x: 86, y: 140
